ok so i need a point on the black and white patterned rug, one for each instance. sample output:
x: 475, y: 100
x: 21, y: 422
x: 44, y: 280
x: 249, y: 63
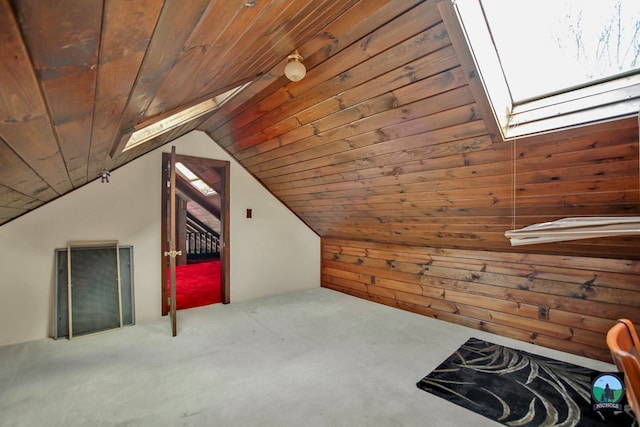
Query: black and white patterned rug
x: 517, y: 388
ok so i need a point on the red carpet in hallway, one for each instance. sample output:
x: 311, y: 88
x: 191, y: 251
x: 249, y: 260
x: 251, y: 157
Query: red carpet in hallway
x: 197, y: 284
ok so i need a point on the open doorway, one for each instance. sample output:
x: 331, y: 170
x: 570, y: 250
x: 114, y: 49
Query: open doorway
x: 202, y: 231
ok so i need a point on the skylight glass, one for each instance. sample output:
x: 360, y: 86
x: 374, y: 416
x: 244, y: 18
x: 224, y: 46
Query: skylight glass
x: 203, y: 187
x: 193, y: 179
x: 537, y: 66
x: 147, y: 132
x: 546, y: 46
x: 186, y: 172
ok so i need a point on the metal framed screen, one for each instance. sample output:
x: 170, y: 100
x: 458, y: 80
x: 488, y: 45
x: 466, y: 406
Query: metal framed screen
x: 98, y: 300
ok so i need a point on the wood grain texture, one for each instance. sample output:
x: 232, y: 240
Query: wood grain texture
x: 38, y: 168
x: 173, y: 27
x: 126, y: 31
x: 493, y: 291
x: 383, y: 149
x: 382, y: 141
x: 395, y: 149
x: 63, y: 40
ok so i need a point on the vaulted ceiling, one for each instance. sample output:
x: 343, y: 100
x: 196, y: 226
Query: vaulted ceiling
x: 381, y: 141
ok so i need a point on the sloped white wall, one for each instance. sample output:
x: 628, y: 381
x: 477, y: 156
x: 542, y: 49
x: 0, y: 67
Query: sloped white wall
x: 274, y: 252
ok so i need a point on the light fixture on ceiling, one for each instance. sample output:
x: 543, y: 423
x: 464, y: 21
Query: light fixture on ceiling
x: 295, y: 70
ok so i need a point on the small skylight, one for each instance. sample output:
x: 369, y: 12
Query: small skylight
x: 550, y: 64
x: 193, y: 179
x: 203, y: 187
x: 550, y: 46
x: 157, y: 128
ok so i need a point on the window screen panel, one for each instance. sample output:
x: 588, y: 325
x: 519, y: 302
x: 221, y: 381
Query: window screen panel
x: 94, y: 296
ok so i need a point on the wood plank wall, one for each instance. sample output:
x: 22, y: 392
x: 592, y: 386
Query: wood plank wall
x: 383, y: 141
x: 495, y: 292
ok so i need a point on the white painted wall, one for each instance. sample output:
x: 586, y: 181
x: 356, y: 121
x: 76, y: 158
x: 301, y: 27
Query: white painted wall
x: 274, y: 252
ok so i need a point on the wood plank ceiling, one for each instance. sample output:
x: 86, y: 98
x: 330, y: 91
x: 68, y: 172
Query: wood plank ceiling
x: 382, y: 140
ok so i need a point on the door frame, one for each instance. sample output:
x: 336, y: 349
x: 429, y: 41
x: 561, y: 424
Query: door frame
x: 225, y: 260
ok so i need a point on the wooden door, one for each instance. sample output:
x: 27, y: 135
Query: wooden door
x: 222, y: 186
x: 170, y: 252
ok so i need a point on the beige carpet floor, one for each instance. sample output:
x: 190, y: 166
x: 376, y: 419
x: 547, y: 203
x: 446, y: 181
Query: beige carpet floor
x: 311, y: 358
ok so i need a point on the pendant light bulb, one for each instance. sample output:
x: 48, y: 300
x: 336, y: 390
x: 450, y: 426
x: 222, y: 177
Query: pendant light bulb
x: 295, y: 69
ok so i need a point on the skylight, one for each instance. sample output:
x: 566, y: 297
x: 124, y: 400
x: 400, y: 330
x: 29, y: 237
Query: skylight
x: 549, y: 64
x: 194, y: 180
x: 546, y: 47
x: 159, y: 127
